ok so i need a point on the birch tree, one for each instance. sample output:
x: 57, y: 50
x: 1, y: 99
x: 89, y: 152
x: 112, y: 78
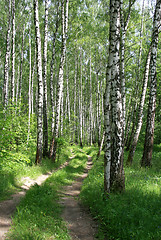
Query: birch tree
x: 7, y: 55
x: 52, y: 70
x: 149, y: 135
x: 13, y: 53
x: 45, y: 119
x: 114, y: 173
x: 29, y: 92
x: 40, y: 85
x: 60, y: 79
x: 140, y: 110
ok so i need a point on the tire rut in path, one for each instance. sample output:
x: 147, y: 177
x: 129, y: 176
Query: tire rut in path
x: 8, y: 207
x: 79, y: 222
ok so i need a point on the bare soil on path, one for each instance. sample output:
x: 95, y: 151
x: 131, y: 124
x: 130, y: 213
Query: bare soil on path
x: 8, y: 207
x: 79, y: 221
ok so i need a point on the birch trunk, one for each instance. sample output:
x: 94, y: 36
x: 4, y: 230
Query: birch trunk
x: 60, y: 80
x: 21, y: 65
x: 13, y: 53
x: 32, y: 84
x: 40, y: 86
x: 29, y: 93
x: 68, y: 98
x: 98, y: 109
x: 148, y: 144
x: 140, y: 111
x: 124, y: 25
x: 45, y: 119
x: 90, y: 106
x: 6, y: 65
x: 52, y: 72
x: 80, y: 105
x: 114, y: 173
x: 75, y: 98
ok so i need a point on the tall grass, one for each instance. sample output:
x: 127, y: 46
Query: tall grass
x: 134, y: 214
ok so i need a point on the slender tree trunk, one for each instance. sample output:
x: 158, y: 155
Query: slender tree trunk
x: 107, y: 128
x: 148, y: 144
x: 52, y: 72
x: 80, y: 106
x: 21, y: 65
x: 13, y: 53
x: 75, y: 99
x: 114, y: 173
x: 60, y: 80
x: 29, y: 93
x: 98, y: 109
x: 90, y: 106
x: 124, y: 25
x: 68, y: 98
x: 18, y: 83
x: 32, y: 84
x: 140, y: 111
x: 6, y: 65
x: 40, y: 86
x: 45, y: 119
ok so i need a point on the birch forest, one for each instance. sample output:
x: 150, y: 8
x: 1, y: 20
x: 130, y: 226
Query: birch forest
x: 86, y: 74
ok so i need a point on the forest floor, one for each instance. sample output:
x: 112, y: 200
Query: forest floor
x: 79, y: 221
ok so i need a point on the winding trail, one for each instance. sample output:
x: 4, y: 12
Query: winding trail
x: 79, y: 221
x: 8, y: 207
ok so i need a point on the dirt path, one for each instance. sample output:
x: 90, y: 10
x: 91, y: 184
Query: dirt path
x: 8, y: 207
x: 79, y: 222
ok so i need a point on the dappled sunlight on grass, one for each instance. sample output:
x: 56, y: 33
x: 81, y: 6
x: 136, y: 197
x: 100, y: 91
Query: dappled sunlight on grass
x: 134, y: 214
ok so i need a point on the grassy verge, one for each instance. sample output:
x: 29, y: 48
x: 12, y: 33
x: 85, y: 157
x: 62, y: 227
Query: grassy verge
x: 135, y: 214
x: 15, y: 165
x: 38, y: 215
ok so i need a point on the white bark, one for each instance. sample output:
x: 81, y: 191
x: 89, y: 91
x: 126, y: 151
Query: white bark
x: 13, y: 53
x: 6, y: 66
x: 114, y: 174
x: 52, y: 72
x: 21, y: 64
x: 148, y: 144
x: 140, y: 110
x: 29, y: 92
x: 60, y: 79
x: 45, y: 120
x: 40, y: 86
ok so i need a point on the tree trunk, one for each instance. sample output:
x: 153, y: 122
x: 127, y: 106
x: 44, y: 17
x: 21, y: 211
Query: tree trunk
x: 21, y: 65
x: 32, y: 84
x: 60, y: 80
x: 6, y: 65
x: 13, y: 53
x: 148, y: 144
x: 45, y: 119
x: 114, y: 173
x: 140, y: 111
x: 29, y: 93
x: 90, y: 104
x: 52, y: 72
x: 80, y: 105
x: 40, y: 86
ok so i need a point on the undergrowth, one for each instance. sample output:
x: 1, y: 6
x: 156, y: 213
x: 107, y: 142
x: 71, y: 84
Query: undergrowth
x: 38, y: 215
x: 134, y: 214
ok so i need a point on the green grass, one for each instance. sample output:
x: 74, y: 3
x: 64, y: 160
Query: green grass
x: 38, y: 215
x: 15, y: 165
x: 134, y: 214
